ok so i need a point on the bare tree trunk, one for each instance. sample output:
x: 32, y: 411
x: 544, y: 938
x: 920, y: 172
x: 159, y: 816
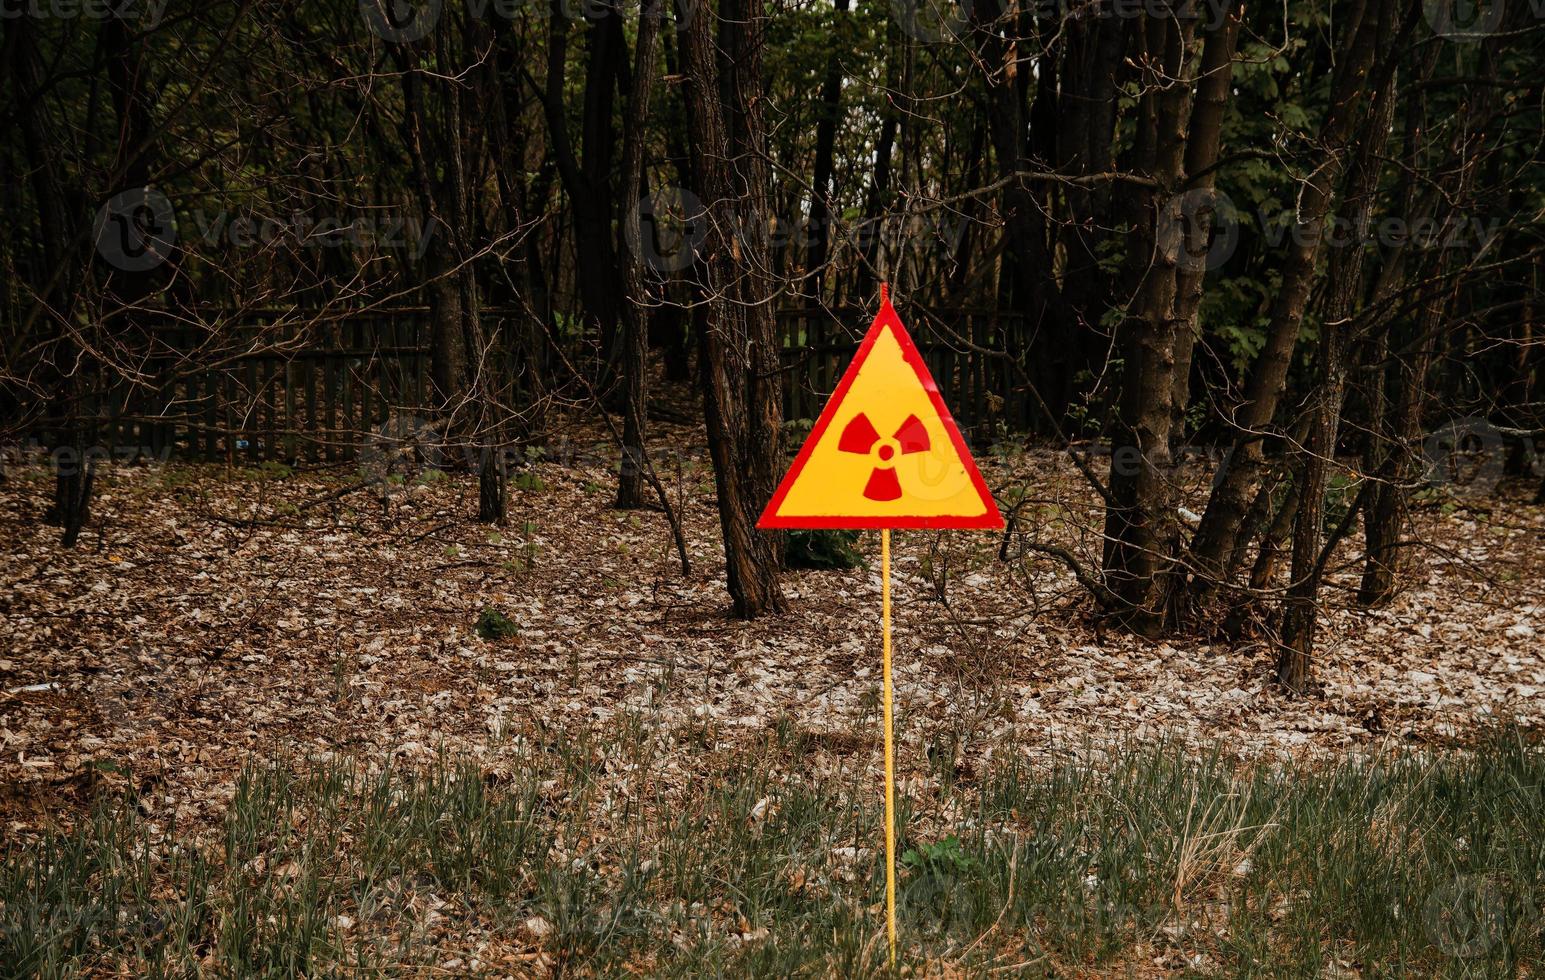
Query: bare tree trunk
x: 898, y: 79
x: 741, y: 396
x: 1214, y: 542
x: 492, y: 483
x: 821, y: 213
x: 1025, y: 274
x: 1092, y: 71
x: 1344, y: 286
x: 742, y: 81
x: 1386, y: 516
x: 1198, y: 210
x: 447, y: 344
x: 1141, y: 533
x: 588, y: 181
x: 1300, y: 612
x: 509, y: 139
x: 72, y: 483
x: 635, y: 302
x: 1269, y: 557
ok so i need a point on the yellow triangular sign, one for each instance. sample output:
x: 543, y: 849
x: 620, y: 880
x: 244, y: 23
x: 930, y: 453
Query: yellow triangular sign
x: 885, y: 452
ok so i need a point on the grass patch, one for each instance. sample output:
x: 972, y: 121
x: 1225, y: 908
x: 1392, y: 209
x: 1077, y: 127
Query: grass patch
x: 823, y: 549
x: 595, y: 855
x: 494, y: 625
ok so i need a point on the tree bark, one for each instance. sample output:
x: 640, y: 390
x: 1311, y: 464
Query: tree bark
x: 635, y: 302
x: 898, y: 82
x: 587, y: 179
x: 1213, y: 92
x: 72, y: 472
x: 1015, y: 132
x: 1092, y: 72
x: 1141, y: 533
x: 1214, y: 542
x: 447, y: 341
x: 821, y: 213
x: 1343, y: 289
x: 492, y: 484
x: 737, y: 357
x: 1398, y: 425
x: 509, y: 135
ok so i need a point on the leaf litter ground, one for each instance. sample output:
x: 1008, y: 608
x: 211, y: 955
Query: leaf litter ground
x: 213, y: 613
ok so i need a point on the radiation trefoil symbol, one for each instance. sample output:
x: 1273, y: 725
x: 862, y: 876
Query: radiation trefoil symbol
x: 859, y: 436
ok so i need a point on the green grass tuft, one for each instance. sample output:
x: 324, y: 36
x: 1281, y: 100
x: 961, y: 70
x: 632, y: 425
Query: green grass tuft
x: 572, y: 856
x: 493, y: 625
x: 823, y: 549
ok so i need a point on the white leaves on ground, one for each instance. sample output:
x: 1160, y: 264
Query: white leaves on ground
x: 536, y: 928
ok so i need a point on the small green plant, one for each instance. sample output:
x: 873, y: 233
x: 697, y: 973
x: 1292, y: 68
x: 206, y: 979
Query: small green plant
x: 797, y: 429
x: 432, y: 476
x: 1339, y: 491
x: 528, y: 480
x: 267, y: 471
x: 178, y: 477
x: 823, y: 549
x: 345, y: 666
x: 493, y: 625
x: 940, y: 857
x: 530, y: 551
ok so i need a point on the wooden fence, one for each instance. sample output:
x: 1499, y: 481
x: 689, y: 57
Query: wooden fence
x: 276, y: 386
x: 270, y: 387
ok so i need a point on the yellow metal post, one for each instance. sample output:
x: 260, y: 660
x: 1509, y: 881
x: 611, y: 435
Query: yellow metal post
x: 890, y: 756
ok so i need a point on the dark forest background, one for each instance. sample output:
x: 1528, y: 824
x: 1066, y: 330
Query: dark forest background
x: 1296, y: 242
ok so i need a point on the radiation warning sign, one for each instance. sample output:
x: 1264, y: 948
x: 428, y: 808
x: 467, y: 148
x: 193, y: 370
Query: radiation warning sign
x: 885, y: 452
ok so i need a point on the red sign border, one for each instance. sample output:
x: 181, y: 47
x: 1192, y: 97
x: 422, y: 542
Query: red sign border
x: 885, y: 318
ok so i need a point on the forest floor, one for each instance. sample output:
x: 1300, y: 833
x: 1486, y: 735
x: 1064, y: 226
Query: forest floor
x: 212, y: 616
x: 211, y: 612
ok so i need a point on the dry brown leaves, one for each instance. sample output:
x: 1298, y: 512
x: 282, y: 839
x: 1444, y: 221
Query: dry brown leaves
x: 180, y: 637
